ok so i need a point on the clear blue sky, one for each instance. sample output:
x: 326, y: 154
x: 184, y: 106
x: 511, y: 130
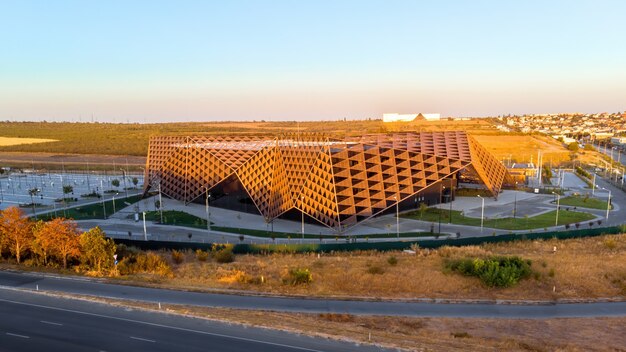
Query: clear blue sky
x: 285, y: 60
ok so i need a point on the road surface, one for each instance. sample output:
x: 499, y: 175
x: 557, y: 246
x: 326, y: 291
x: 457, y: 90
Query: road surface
x: 84, y: 286
x: 32, y: 322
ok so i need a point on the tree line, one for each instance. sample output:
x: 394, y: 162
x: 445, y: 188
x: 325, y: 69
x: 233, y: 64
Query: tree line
x: 56, y: 243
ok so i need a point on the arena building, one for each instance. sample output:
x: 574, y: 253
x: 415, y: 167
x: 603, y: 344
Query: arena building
x: 337, y: 183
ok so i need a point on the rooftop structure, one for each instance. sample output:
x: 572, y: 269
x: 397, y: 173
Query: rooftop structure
x: 336, y: 182
x: 395, y: 117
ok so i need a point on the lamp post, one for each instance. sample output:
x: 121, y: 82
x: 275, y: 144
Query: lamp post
x: 124, y: 177
x: 593, y: 186
x: 450, y: 211
x: 608, y: 204
x: 302, y: 211
x: 160, y: 203
x: 441, y: 187
x: 397, y: 217
x: 208, y: 210
x: 114, y: 202
x: 482, y: 212
x: 145, y: 232
x: 104, y: 209
x: 515, y: 202
x: 558, y: 200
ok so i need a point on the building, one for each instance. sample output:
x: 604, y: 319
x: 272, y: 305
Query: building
x: 337, y: 183
x: 395, y: 117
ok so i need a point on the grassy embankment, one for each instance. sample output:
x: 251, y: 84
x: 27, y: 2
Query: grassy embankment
x: 519, y: 223
x: 91, y: 211
x: 580, y: 268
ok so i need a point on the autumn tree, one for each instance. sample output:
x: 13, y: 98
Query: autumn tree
x: 42, y: 242
x: 65, y: 241
x: 16, y: 231
x: 96, y: 250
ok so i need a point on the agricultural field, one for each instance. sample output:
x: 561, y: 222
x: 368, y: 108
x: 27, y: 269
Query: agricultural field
x: 11, y: 141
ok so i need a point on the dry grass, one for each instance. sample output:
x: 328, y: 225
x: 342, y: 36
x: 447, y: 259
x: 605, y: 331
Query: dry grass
x: 580, y: 269
x: 522, y: 147
x: 10, y: 141
x: 424, y: 334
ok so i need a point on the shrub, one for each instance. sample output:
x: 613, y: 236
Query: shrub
x: 392, y: 260
x: 224, y: 255
x: 178, y: 257
x: 201, y: 255
x: 144, y: 263
x: 551, y: 272
x: 610, y: 243
x: 493, y: 271
x: 375, y: 270
x: 300, y: 276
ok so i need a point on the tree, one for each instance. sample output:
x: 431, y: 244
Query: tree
x: 67, y: 189
x: 96, y: 250
x: 589, y: 146
x: 16, y: 231
x: 42, y: 243
x: 135, y: 181
x: 65, y: 243
x: 33, y: 192
x: 573, y: 146
x: 422, y: 209
x: 115, y: 182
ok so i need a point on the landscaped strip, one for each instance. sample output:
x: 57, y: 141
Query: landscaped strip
x: 540, y: 221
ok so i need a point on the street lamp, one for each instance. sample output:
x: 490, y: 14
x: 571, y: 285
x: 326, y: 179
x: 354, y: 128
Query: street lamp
x: 145, y: 232
x: 114, y: 202
x: 558, y: 200
x: 593, y: 185
x: 515, y: 202
x: 302, y: 211
x: 397, y: 217
x: 104, y: 209
x: 208, y: 210
x: 608, y: 204
x: 441, y: 187
x: 482, y: 212
x: 125, y: 187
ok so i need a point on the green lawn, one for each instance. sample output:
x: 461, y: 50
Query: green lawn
x: 91, y: 211
x: 178, y: 218
x: 585, y: 202
x: 539, y: 221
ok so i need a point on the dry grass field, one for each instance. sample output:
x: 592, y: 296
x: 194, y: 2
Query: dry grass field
x: 523, y: 148
x: 11, y: 141
x: 580, y: 269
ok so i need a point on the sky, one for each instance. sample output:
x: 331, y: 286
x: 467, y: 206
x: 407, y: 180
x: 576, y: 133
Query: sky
x: 160, y: 61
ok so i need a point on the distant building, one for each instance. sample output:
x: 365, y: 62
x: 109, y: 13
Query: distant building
x: 618, y: 140
x: 395, y: 117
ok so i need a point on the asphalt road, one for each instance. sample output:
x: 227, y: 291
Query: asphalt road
x: 32, y: 322
x: 77, y: 285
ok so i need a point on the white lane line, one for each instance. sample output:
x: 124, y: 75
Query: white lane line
x: 141, y: 339
x: 163, y: 326
x: 50, y: 323
x: 17, y: 335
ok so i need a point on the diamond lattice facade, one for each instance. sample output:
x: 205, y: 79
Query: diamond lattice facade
x: 336, y: 182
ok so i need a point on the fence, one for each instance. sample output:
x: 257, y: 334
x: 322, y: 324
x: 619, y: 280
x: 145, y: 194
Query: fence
x: 379, y: 246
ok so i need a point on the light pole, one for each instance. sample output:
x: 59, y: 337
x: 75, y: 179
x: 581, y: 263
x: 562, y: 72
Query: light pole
x: 104, y: 209
x: 302, y: 212
x: 441, y: 187
x: 114, y: 203
x: 608, y: 204
x: 397, y: 217
x: 160, y: 203
x: 482, y: 212
x: 145, y: 232
x: 593, y: 186
x: 208, y: 210
x: 124, y: 176
x: 515, y: 202
x: 558, y: 200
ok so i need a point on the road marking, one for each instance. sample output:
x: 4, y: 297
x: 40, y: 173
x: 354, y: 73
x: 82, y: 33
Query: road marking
x: 142, y: 339
x: 17, y: 335
x: 161, y: 326
x: 50, y: 323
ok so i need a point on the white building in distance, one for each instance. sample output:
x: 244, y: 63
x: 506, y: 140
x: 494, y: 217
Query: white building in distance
x: 395, y: 117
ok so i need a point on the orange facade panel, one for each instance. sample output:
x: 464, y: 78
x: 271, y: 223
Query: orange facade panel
x: 336, y: 182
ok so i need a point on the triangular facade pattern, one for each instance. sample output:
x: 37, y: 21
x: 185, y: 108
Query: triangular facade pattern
x: 336, y: 182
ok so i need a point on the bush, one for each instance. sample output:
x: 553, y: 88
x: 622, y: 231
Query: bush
x: 375, y: 270
x: 493, y: 271
x: 144, y: 263
x: 178, y: 257
x: 392, y: 260
x: 201, y: 255
x: 300, y: 276
x: 224, y: 255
